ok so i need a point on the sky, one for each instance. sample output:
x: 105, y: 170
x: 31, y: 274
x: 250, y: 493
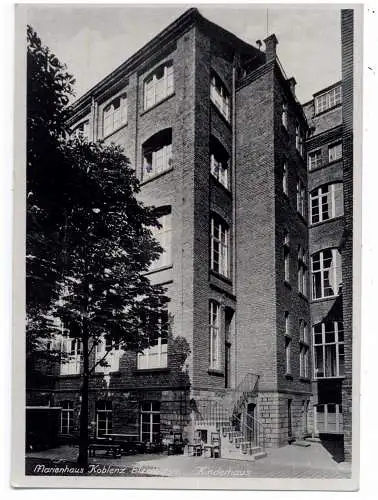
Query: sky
x: 93, y: 40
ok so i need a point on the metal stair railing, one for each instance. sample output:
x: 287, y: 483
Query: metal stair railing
x: 247, y: 387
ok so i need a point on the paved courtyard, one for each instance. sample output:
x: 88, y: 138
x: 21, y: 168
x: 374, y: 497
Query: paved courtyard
x: 287, y: 462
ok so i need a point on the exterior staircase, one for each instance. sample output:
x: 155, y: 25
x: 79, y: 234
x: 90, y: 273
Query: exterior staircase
x: 242, y: 435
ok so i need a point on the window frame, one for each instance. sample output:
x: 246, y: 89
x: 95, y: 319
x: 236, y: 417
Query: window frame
x: 222, y: 242
x: 285, y: 178
x: 109, y: 114
x: 215, y: 322
x: 108, y: 416
x: 329, y: 100
x: 157, y: 154
x: 288, y: 347
x: 318, y: 163
x: 336, y: 257
x: 338, y: 146
x: 286, y: 255
x: 157, y: 351
x: 67, y: 417
x: 302, y: 271
x: 338, y: 333
x: 301, y: 197
x: 163, y: 236
x: 220, y: 96
x: 167, y: 81
x: 149, y: 415
x: 319, y: 199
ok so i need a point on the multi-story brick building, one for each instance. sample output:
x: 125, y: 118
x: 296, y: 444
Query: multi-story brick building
x: 217, y: 137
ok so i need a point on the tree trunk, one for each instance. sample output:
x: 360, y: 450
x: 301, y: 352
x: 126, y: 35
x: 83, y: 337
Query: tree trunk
x: 84, y: 437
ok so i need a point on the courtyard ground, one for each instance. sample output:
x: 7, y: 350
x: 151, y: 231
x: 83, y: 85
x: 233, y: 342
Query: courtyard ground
x: 289, y: 461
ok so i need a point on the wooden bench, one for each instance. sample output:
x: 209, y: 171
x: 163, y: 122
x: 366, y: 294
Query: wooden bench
x: 113, y: 449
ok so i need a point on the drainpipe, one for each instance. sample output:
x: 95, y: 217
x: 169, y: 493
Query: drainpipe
x: 233, y: 171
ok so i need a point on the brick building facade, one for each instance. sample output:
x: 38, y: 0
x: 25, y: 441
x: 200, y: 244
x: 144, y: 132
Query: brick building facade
x: 217, y: 137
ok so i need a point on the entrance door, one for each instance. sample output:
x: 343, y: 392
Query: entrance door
x: 251, y: 422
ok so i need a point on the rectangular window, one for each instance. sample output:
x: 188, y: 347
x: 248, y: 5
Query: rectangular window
x: 219, y: 169
x: 104, y: 414
x: 335, y: 152
x: 150, y: 421
x: 301, y: 198
x: 214, y: 333
x: 219, y: 247
x: 110, y: 353
x: 67, y: 417
x: 303, y: 361
x: 156, y: 355
x: 327, y: 202
x: 163, y: 236
x: 115, y: 115
x: 285, y: 187
x: 315, y: 159
x: 328, y: 100
x: 287, y: 326
x: 157, y: 154
x: 82, y: 130
x: 328, y: 418
x: 299, y: 139
x: 288, y: 355
x: 284, y: 114
x: 328, y: 349
x: 326, y: 273
x: 220, y: 96
x: 159, y: 85
x: 302, y: 271
x: 70, y: 356
x: 286, y: 252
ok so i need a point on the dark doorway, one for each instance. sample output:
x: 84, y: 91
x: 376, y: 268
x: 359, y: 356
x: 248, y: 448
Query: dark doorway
x: 251, y: 422
x: 227, y: 347
x: 289, y: 419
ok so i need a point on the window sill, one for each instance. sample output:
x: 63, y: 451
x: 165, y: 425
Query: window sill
x: 155, y: 176
x: 306, y: 380
x: 289, y: 376
x: 214, y: 371
x: 104, y: 137
x: 146, y: 371
x: 286, y: 283
x: 302, y: 218
x: 70, y: 375
x: 339, y: 377
x: 218, y: 183
x: 222, y: 277
x: 304, y: 343
x: 323, y: 299
x: 316, y: 224
x: 327, y: 110
x: 157, y: 104
x: 329, y: 163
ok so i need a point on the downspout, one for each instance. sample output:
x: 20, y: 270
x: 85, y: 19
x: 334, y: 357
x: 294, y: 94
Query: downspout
x: 233, y: 173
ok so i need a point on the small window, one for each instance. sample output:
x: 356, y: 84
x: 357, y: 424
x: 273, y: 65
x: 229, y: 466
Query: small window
x: 287, y: 325
x: 303, y: 361
x: 288, y: 355
x: 328, y: 100
x: 70, y: 356
x: 285, y: 178
x: 284, y: 114
x: 115, y: 115
x: 315, y: 159
x: 157, y: 154
x: 302, y: 271
x: 219, y: 235
x: 214, y: 332
x: 335, y: 152
x: 82, y: 130
x: 299, y: 139
x: 327, y: 202
x: 219, y: 163
x: 286, y: 252
x: 301, y: 198
x: 158, y: 85
x: 220, y: 96
x: 326, y: 273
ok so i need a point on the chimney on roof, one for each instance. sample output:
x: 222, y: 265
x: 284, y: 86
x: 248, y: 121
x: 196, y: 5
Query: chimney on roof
x: 292, y: 83
x: 271, y: 43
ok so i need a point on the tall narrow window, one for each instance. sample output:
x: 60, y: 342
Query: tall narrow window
x: 288, y: 355
x: 301, y: 198
x: 286, y: 252
x: 326, y: 202
x: 156, y: 355
x: 285, y: 178
x: 163, y: 235
x: 335, y: 152
x: 314, y: 159
x: 104, y: 418
x: 219, y: 162
x: 299, y: 139
x: 284, y: 114
x: 303, y: 350
x: 328, y: 339
x: 107, y: 356
x: 115, y: 114
x: 326, y: 273
x: 302, y: 271
x: 214, y: 333
x: 67, y: 417
x: 70, y: 356
x: 157, y: 154
x: 158, y: 85
x: 220, y: 96
x: 150, y: 421
x: 219, y: 247
x: 287, y: 326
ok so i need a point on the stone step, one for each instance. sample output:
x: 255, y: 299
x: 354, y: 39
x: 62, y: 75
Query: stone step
x: 258, y: 456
